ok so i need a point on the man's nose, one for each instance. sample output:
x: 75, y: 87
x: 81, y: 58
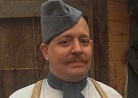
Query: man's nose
x: 76, y: 47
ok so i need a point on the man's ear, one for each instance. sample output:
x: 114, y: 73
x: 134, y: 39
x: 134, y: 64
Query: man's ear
x: 91, y: 42
x: 44, y: 50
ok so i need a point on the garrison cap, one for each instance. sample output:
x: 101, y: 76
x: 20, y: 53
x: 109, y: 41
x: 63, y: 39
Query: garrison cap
x: 57, y: 17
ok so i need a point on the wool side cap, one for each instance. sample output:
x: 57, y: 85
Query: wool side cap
x: 57, y: 17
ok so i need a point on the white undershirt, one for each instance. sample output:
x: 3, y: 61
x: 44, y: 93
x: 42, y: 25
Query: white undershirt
x: 48, y: 92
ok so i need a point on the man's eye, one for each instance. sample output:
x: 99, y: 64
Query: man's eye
x: 64, y: 43
x: 85, y: 42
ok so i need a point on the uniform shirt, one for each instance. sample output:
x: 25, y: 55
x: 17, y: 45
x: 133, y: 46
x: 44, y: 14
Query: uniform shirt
x: 48, y: 92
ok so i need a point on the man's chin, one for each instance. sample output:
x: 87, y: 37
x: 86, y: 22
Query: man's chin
x: 78, y: 75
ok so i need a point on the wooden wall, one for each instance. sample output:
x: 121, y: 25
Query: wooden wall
x: 119, y: 39
x: 21, y: 63
x: 100, y: 39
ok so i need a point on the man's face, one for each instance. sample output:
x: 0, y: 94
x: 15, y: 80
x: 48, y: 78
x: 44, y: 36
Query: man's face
x: 69, y: 54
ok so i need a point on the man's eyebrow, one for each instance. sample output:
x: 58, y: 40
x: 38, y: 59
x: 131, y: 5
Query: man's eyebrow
x: 84, y: 35
x: 70, y: 36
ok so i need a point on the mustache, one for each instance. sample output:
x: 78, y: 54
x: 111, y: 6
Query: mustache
x: 75, y: 58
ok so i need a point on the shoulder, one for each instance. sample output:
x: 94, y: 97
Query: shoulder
x: 25, y: 92
x: 110, y: 92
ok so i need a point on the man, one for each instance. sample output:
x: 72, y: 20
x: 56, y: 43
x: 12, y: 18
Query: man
x: 68, y: 49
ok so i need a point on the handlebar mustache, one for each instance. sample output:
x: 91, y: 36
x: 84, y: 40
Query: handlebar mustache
x: 74, y: 59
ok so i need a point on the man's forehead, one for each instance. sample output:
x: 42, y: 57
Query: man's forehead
x: 84, y: 35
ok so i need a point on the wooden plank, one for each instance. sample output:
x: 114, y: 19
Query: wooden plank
x: 118, y: 85
x: 119, y: 0
x: 11, y: 81
x: 118, y: 11
x: 119, y: 31
x: 17, y: 43
x: 83, y: 5
x: 20, y: 8
x: 100, y: 36
x: 17, y: 58
x: 20, y: 55
x: 117, y: 50
x: 116, y: 70
x: 31, y: 8
x: 118, y: 75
